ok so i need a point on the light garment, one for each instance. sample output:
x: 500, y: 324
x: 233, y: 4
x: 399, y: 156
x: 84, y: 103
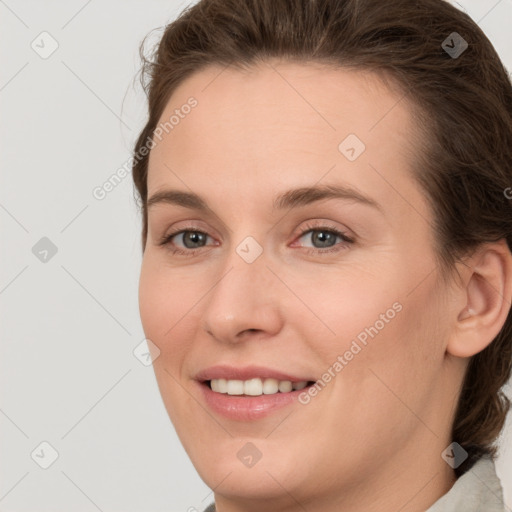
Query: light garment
x: 477, y: 490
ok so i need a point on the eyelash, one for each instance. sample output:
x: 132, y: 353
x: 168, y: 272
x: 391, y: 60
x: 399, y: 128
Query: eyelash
x: 166, y: 240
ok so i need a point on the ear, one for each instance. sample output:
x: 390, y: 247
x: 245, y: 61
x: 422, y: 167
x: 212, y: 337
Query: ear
x: 485, y: 299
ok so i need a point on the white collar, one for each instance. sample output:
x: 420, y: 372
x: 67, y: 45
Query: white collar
x: 478, y: 489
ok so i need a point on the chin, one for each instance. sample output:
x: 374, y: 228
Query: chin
x: 256, y: 483
x: 240, y: 467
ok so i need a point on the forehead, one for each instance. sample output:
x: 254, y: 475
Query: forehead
x: 281, y: 123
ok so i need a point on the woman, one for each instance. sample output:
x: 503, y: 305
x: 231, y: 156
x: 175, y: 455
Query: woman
x: 327, y: 274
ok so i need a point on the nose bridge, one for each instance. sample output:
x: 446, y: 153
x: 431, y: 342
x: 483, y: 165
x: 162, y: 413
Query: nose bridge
x: 243, y: 297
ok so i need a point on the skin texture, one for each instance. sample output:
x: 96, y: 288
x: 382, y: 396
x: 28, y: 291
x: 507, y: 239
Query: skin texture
x: 372, y: 438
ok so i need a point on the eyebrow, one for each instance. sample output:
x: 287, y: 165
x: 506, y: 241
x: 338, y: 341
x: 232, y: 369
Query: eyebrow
x: 294, y: 198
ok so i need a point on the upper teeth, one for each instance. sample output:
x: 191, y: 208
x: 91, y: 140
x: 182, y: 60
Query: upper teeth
x: 255, y: 386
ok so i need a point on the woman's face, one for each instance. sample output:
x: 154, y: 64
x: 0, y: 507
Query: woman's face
x: 282, y: 158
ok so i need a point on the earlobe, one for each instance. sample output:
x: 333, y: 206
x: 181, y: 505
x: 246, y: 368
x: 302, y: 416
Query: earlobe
x: 486, y: 298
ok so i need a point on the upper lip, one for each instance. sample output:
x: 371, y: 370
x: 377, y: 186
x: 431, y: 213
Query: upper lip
x: 246, y: 373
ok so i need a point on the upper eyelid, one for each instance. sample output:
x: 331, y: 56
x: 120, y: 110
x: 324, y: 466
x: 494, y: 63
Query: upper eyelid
x: 301, y: 231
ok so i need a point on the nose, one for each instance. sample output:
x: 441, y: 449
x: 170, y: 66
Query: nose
x: 245, y: 302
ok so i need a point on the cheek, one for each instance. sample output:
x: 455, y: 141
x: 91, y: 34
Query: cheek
x: 349, y: 306
x: 152, y: 300
x: 166, y: 312
x: 380, y: 329
x: 401, y: 364
x: 387, y: 370
x: 166, y: 308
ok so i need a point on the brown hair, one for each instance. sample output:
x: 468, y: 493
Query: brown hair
x: 463, y: 144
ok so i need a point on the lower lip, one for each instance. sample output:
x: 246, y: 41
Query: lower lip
x: 247, y: 408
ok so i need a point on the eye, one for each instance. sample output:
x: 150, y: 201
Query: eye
x: 324, y: 238
x: 192, y: 240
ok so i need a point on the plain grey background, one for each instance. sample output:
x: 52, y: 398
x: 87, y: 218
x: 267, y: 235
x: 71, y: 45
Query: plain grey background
x: 70, y: 265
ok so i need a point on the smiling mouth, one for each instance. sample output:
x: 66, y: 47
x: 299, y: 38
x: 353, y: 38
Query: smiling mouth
x: 255, y: 387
